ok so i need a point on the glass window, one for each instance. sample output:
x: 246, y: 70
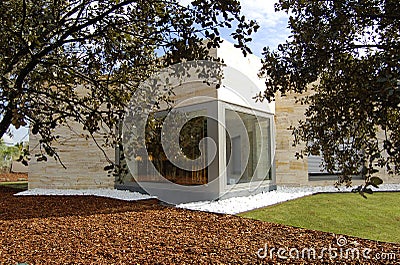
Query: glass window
x: 189, y: 138
x: 236, y: 157
x: 248, y: 147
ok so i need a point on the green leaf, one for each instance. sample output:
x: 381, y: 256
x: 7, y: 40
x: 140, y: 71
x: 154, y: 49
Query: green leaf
x: 376, y: 181
x: 368, y: 190
x: 362, y: 194
x: 109, y: 167
x: 41, y: 158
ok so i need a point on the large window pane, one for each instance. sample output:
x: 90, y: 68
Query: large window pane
x: 248, y: 148
x: 190, y: 135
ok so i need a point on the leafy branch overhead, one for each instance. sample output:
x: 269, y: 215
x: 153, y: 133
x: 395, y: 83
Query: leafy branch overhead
x: 349, y: 51
x: 80, y: 61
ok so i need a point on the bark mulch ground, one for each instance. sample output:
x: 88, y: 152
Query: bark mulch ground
x: 94, y: 230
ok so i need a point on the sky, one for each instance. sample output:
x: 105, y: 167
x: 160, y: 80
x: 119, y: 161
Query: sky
x: 273, y: 30
x: 20, y: 135
x: 273, y: 25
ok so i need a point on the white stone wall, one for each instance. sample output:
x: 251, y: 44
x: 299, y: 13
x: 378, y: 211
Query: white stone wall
x: 289, y: 170
x: 84, y: 162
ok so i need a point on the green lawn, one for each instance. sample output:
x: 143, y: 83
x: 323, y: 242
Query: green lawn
x: 377, y: 217
x: 22, y: 185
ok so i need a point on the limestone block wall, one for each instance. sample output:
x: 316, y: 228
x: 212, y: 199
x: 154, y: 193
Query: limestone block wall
x: 83, y: 160
x: 387, y: 178
x: 383, y: 174
x: 289, y: 170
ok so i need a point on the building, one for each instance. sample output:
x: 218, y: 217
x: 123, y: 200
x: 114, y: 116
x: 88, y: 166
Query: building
x: 241, y: 146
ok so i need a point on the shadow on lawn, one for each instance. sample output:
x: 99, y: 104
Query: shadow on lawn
x: 26, y: 207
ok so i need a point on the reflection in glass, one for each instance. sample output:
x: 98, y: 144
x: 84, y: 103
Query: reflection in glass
x: 189, y: 137
x: 248, y: 147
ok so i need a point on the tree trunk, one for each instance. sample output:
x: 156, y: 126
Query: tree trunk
x: 6, y: 122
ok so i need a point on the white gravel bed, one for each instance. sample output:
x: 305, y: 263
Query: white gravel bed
x: 109, y: 193
x: 243, y: 204
x: 228, y: 206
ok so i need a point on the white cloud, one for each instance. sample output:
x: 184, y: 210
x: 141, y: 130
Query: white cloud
x: 185, y: 2
x: 263, y: 11
x: 273, y: 25
x: 22, y: 134
x: 7, y: 139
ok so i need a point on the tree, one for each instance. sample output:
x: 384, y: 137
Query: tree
x: 81, y: 60
x: 347, y: 53
x: 8, y: 153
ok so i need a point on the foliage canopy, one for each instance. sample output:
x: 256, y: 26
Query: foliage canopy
x: 81, y: 60
x: 349, y: 51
